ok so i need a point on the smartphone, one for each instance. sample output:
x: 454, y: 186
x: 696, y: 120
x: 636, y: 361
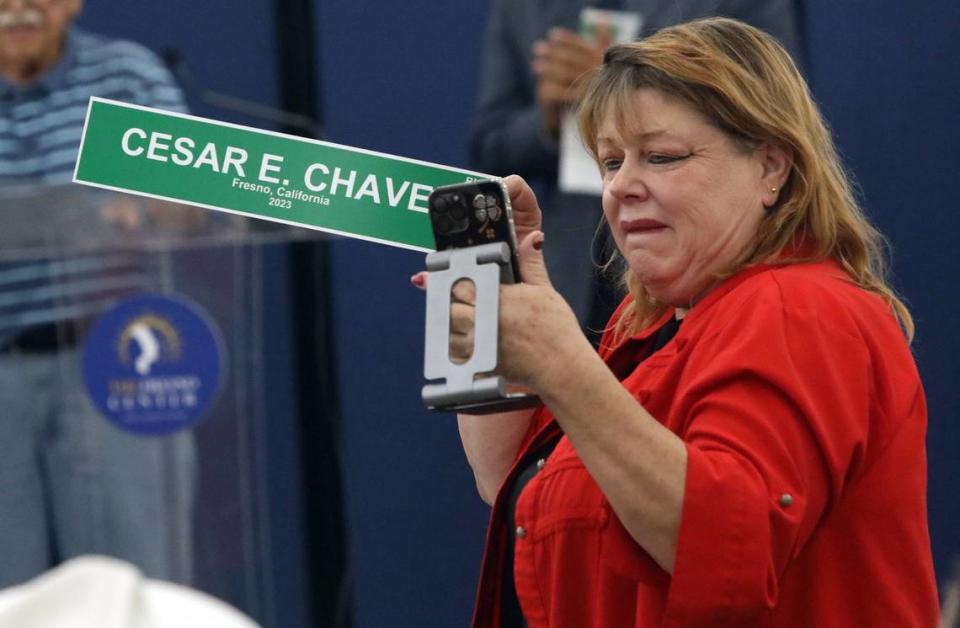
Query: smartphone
x: 471, y: 214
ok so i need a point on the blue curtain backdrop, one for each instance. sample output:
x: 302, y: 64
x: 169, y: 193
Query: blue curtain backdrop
x: 885, y: 74
x: 399, y: 79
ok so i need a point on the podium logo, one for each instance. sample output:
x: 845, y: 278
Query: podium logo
x: 153, y: 364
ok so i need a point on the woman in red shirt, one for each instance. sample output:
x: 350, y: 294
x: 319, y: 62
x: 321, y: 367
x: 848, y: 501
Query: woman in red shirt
x: 747, y: 449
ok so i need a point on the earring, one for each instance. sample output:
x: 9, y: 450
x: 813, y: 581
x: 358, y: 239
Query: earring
x: 774, y: 190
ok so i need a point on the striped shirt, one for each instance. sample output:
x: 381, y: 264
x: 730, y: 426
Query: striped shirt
x: 40, y: 129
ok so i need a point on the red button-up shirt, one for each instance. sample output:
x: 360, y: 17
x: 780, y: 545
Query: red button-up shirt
x: 805, y: 501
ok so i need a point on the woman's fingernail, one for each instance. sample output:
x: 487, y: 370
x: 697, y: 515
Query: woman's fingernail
x: 418, y: 280
x: 538, y: 243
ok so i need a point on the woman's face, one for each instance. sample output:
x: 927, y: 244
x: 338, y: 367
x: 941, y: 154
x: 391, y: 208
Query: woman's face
x: 682, y: 200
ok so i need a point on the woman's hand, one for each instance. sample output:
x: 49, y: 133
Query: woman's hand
x: 527, y: 217
x: 539, y: 332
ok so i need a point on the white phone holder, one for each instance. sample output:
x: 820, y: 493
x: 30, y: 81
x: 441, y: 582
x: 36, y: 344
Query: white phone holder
x: 471, y: 386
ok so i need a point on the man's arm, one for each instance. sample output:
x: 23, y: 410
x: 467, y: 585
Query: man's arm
x: 507, y: 134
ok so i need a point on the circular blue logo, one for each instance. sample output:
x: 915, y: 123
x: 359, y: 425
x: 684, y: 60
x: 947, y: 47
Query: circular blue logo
x: 153, y: 364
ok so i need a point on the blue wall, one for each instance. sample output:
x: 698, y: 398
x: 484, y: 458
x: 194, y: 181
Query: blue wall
x: 886, y: 76
x: 228, y: 50
x: 399, y: 79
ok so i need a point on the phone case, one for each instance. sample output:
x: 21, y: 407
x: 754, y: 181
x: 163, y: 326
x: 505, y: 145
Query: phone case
x: 472, y: 214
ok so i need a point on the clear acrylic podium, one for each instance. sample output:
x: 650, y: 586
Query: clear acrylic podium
x: 227, y: 484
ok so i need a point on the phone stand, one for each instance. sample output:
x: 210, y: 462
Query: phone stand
x: 469, y: 386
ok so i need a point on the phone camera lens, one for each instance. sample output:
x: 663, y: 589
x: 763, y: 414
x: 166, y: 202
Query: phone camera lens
x: 458, y: 211
x: 440, y: 204
x: 444, y: 223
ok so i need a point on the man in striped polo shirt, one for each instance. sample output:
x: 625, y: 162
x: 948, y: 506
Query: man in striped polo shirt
x: 70, y: 482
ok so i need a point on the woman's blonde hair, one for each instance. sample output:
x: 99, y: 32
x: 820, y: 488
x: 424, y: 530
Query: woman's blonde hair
x: 746, y: 84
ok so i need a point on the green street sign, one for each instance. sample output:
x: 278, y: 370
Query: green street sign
x: 262, y: 174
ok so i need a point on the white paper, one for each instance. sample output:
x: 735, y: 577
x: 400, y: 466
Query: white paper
x: 578, y: 170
